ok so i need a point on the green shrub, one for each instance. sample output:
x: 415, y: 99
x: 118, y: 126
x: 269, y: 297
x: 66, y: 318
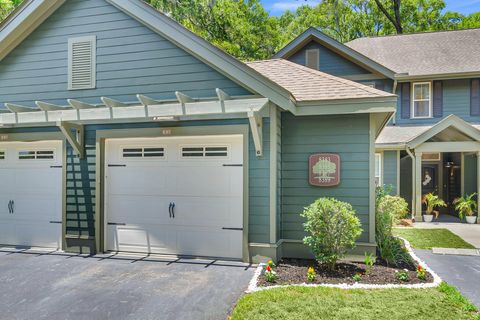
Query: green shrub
x: 333, y: 228
x: 388, y: 210
x: 397, y: 206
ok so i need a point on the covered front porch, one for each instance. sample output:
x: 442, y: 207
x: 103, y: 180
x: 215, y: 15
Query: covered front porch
x: 442, y: 159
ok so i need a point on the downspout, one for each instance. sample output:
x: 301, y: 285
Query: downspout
x: 413, y: 180
x: 395, y: 83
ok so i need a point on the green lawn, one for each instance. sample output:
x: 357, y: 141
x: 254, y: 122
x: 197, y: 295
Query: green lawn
x: 443, y: 303
x: 428, y: 238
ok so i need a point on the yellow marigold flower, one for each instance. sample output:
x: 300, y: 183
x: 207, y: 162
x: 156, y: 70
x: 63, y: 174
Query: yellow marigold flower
x: 311, y: 270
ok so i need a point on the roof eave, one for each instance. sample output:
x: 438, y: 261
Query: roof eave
x: 206, y: 52
x: 347, y: 106
x: 403, y: 77
x: 314, y: 34
x: 23, y: 20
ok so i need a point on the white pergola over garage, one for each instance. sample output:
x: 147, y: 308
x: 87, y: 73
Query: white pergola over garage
x: 71, y: 118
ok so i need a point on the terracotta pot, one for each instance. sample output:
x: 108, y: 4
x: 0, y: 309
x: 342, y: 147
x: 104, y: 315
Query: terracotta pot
x: 471, y: 219
x: 428, y: 217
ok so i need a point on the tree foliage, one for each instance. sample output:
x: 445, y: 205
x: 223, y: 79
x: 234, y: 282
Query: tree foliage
x: 245, y: 29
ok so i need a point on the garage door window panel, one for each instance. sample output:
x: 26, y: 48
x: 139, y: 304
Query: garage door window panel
x: 211, y: 152
x: 143, y: 152
x: 3, y: 155
x: 36, y: 155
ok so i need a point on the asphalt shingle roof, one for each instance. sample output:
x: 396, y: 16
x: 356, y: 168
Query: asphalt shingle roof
x: 427, y: 53
x: 307, y: 84
x: 400, y: 134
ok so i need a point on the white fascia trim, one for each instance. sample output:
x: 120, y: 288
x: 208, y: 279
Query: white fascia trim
x: 314, y: 34
x: 22, y: 22
x: 206, y: 52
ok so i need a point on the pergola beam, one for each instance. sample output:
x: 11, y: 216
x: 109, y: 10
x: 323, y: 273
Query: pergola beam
x: 74, y: 133
x: 111, y: 103
x: 80, y: 105
x: 45, y: 106
x: 16, y: 108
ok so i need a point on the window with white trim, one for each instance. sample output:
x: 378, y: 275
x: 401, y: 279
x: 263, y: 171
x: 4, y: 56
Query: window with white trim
x: 421, y: 100
x: 82, y: 53
x: 378, y: 169
x: 143, y: 152
x: 312, y: 58
x: 204, y: 152
x: 36, y: 154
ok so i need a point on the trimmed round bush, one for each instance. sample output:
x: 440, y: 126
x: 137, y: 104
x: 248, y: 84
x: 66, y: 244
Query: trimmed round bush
x: 332, y: 228
x: 395, y: 205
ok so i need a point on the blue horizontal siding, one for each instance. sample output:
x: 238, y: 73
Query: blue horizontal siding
x: 302, y: 136
x: 390, y: 161
x: 330, y: 62
x: 456, y: 100
x: 131, y: 59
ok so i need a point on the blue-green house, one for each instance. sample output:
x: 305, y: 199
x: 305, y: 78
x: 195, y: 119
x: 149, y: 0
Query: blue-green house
x: 123, y: 131
x: 432, y: 142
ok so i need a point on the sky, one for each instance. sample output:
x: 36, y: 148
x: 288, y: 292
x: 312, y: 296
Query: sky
x: 277, y: 7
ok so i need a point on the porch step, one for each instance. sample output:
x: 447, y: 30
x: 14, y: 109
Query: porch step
x: 458, y: 252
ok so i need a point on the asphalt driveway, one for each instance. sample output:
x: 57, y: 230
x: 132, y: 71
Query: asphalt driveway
x: 55, y: 285
x: 461, y: 271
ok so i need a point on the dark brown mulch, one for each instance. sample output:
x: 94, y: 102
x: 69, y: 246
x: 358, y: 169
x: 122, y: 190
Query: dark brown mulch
x: 294, y: 271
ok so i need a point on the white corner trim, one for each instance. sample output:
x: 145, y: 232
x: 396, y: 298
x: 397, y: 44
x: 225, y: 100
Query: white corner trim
x: 253, y: 287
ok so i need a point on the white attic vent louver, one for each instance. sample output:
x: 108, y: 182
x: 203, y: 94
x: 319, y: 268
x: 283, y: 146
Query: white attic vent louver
x: 312, y: 58
x: 82, y: 62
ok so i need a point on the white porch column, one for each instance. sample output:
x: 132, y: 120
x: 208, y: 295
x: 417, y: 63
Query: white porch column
x: 418, y: 186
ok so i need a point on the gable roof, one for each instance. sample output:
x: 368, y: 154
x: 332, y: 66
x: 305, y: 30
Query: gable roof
x: 32, y: 13
x: 424, y: 54
x: 413, y: 136
x: 304, y: 83
x: 313, y: 34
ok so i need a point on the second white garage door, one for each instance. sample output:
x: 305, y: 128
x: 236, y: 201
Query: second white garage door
x: 175, y: 195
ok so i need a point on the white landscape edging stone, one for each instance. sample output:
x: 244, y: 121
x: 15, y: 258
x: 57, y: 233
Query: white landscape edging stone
x: 253, y: 287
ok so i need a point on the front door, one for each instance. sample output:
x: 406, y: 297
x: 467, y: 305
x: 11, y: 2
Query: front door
x: 429, y: 178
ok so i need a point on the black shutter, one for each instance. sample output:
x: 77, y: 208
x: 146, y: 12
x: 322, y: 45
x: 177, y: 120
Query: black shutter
x: 437, y: 99
x: 405, y: 102
x: 475, y: 97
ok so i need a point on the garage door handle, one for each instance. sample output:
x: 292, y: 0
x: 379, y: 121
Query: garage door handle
x: 173, y: 210
x: 117, y: 165
x: 116, y: 224
x: 170, y: 210
x: 236, y: 229
x: 59, y: 222
x: 10, y: 206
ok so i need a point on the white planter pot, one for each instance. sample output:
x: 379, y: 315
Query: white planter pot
x: 471, y: 219
x: 428, y: 217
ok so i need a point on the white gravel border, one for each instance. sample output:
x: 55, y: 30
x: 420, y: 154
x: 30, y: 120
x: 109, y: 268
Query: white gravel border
x: 253, y: 287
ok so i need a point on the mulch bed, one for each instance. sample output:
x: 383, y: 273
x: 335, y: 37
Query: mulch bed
x: 294, y: 271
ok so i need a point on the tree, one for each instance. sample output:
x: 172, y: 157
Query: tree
x: 241, y: 28
x: 396, y: 18
x: 6, y: 6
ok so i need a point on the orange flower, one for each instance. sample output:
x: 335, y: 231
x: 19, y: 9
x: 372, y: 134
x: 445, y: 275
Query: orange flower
x: 419, y: 268
x: 268, y: 268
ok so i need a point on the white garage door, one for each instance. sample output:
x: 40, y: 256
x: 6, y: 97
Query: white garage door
x: 181, y: 195
x: 31, y: 193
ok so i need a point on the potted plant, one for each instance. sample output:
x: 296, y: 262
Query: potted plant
x: 431, y: 201
x: 466, y: 207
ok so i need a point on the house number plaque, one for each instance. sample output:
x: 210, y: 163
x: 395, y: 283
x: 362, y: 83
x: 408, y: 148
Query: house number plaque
x: 324, y: 169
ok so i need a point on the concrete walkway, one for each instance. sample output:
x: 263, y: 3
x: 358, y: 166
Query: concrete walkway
x: 59, y: 286
x: 462, y: 272
x: 468, y: 232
